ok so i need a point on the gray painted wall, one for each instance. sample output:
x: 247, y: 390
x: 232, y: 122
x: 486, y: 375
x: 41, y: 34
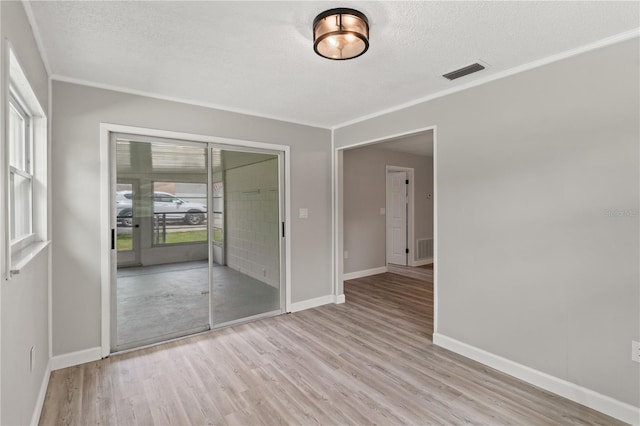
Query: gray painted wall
x: 531, y: 266
x: 25, y: 324
x: 24, y: 307
x: 79, y: 110
x: 365, y: 193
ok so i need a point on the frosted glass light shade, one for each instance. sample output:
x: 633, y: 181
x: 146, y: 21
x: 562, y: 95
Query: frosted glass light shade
x: 340, y: 34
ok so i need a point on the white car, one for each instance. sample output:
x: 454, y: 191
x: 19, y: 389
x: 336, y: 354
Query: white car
x: 165, y: 207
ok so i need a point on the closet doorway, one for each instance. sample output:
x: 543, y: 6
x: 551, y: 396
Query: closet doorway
x: 196, y: 231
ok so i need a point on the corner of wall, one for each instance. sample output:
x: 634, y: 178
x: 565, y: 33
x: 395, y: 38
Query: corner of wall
x: 37, y: 410
x: 312, y: 303
x: 59, y: 362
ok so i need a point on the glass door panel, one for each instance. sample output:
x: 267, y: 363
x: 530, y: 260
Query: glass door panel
x: 162, y: 285
x: 246, y: 236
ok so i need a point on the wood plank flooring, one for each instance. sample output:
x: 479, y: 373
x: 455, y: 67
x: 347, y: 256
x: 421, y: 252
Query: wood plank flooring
x: 417, y: 272
x: 369, y: 361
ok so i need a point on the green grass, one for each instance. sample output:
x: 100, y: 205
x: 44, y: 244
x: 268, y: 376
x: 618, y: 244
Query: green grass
x: 187, y: 236
x: 125, y: 242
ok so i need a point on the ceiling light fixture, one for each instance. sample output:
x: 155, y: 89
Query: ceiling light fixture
x: 340, y: 34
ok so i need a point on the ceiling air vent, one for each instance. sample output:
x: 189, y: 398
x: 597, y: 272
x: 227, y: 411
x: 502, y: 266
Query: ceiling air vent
x: 469, y: 69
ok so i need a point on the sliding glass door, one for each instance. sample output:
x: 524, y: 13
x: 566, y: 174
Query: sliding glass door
x: 198, y: 238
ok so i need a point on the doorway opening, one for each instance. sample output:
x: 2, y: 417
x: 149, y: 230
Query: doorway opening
x: 385, y: 208
x: 196, y: 239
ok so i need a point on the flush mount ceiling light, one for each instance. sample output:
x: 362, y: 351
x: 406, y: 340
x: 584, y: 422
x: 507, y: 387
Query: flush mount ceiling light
x: 340, y: 34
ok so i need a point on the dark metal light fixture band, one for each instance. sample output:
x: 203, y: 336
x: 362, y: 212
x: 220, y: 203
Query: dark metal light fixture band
x: 342, y: 11
x: 346, y: 38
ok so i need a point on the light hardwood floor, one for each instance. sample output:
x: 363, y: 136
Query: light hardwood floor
x: 417, y: 272
x: 369, y: 361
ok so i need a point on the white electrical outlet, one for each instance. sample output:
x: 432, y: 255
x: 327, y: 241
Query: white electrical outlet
x: 32, y: 357
x: 346, y: 254
x: 635, y: 351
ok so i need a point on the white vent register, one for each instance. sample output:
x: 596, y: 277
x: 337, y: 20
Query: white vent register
x: 425, y: 248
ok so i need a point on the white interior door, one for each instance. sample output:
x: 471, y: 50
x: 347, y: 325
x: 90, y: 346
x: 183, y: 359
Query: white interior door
x: 397, y: 217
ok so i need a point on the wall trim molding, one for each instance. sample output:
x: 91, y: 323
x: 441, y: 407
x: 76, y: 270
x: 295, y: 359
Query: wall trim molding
x: 71, y: 359
x: 608, y: 41
x: 422, y: 262
x: 339, y: 299
x: 576, y: 393
x: 365, y: 273
x: 37, y: 410
x: 312, y: 303
x: 180, y: 100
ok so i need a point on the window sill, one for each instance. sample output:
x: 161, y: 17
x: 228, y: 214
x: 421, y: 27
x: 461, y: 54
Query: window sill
x: 21, y: 258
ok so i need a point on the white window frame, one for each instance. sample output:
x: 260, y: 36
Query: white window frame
x: 20, y: 243
x: 18, y: 93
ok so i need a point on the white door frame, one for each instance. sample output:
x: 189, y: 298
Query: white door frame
x: 107, y: 169
x: 338, y: 210
x: 410, y: 213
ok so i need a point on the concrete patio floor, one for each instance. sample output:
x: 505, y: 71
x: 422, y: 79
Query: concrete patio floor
x: 161, y: 302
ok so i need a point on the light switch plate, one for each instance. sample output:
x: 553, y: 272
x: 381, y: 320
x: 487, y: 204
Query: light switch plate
x: 383, y: 211
x: 303, y: 213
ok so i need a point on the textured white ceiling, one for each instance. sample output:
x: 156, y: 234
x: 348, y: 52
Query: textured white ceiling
x: 257, y: 57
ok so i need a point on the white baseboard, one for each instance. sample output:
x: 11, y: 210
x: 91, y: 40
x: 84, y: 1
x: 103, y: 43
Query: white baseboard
x: 312, y: 303
x: 365, y: 273
x: 59, y: 362
x: 318, y: 301
x: 605, y: 404
x: 422, y: 262
x: 37, y: 410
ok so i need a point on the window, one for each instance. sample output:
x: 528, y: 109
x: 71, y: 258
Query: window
x: 24, y: 170
x: 20, y: 171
